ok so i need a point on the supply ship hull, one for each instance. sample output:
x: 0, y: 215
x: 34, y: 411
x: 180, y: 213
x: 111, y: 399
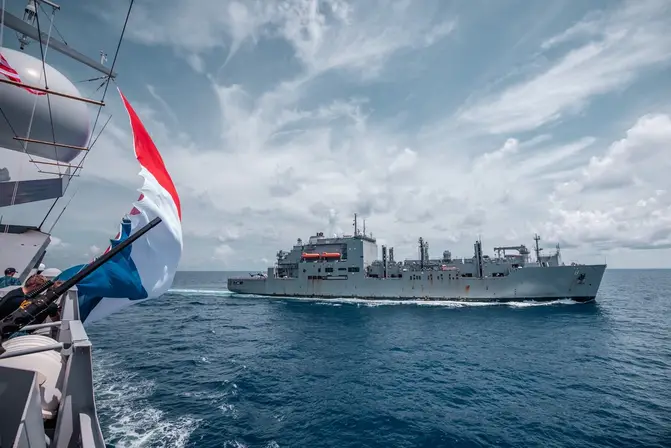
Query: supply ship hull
x: 348, y: 267
x: 539, y: 284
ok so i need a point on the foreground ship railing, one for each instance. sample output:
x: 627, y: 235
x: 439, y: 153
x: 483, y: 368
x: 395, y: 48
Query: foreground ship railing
x: 59, y: 356
x: 46, y: 385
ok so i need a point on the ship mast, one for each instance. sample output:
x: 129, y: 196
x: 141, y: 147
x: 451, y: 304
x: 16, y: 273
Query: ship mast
x: 35, y: 136
x: 423, y: 252
x: 537, y: 249
x: 24, y: 27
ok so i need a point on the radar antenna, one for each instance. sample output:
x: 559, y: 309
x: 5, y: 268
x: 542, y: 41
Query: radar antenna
x: 29, y: 15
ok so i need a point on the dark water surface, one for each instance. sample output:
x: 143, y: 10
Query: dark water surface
x: 200, y: 367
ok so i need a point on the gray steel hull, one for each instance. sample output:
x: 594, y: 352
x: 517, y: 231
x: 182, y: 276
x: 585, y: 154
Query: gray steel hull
x: 530, y: 283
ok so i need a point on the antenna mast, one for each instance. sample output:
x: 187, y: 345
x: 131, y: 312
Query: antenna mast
x: 29, y: 14
x: 356, y: 230
x: 537, y: 249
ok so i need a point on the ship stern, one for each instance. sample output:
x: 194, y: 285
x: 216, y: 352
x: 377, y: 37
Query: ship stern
x: 247, y: 285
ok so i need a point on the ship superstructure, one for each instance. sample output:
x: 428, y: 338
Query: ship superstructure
x: 46, y: 383
x: 348, y: 266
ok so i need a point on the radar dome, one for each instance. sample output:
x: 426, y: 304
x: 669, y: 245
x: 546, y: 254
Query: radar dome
x: 71, y: 119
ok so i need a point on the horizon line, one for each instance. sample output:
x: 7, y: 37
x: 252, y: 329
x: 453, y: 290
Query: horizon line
x: 262, y: 270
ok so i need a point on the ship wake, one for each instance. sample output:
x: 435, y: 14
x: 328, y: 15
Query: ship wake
x: 339, y: 301
x: 126, y: 416
x: 436, y: 303
x: 200, y: 292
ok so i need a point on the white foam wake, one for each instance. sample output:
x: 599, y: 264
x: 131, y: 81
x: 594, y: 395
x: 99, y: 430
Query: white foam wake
x: 127, y: 418
x: 440, y: 303
x: 339, y: 301
x: 200, y: 292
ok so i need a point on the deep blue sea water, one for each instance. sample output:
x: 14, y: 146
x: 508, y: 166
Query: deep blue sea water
x: 200, y: 367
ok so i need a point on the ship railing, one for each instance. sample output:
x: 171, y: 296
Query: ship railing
x: 78, y: 402
x: 76, y: 418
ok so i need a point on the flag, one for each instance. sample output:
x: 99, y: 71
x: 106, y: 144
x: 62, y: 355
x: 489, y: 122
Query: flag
x: 11, y: 74
x: 146, y: 268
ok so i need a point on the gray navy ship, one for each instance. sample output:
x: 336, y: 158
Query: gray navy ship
x: 348, y: 266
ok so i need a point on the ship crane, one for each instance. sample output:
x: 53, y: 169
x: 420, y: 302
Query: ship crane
x: 522, y: 249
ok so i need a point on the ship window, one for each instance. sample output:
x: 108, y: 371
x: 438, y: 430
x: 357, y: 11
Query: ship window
x: 342, y: 269
x: 303, y: 270
x: 353, y: 269
x: 328, y: 269
x: 319, y: 269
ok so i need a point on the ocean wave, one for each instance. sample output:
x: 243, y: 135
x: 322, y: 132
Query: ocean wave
x: 127, y: 418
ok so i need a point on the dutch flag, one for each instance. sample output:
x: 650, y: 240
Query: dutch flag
x: 146, y: 269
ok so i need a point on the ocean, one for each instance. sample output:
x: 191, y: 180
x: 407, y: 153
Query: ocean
x: 200, y: 367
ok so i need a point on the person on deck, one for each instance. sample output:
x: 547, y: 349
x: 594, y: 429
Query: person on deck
x: 11, y: 301
x: 51, y: 314
x: 9, y: 279
x: 54, y: 310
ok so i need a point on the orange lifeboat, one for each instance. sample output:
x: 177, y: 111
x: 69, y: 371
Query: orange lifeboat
x: 329, y: 255
x: 307, y: 256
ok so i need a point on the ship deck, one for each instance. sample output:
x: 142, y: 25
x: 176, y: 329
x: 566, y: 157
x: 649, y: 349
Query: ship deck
x: 25, y: 421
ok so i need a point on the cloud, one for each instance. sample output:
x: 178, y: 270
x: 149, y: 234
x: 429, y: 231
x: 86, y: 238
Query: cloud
x: 324, y: 109
x: 357, y: 36
x: 58, y: 244
x: 616, y: 199
x: 615, y: 49
x: 222, y: 252
x: 324, y: 34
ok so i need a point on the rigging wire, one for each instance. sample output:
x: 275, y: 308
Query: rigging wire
x: 32, y: 115
x: 92, y: 79
x: 106, y: 83
x: 2, y: 34
x: 62, y: 211
x: 58, y: 32
x: 2, y: 22
x: 116, y: 54
x: 46, y: 84
x: 73, y: 172
x: 101, y: 131
x: 9, y: 123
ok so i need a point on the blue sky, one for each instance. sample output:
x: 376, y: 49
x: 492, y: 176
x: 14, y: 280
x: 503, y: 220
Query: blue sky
x: 440, y: 119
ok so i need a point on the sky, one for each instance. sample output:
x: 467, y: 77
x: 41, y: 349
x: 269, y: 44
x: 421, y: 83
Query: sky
x: 449, y: 120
